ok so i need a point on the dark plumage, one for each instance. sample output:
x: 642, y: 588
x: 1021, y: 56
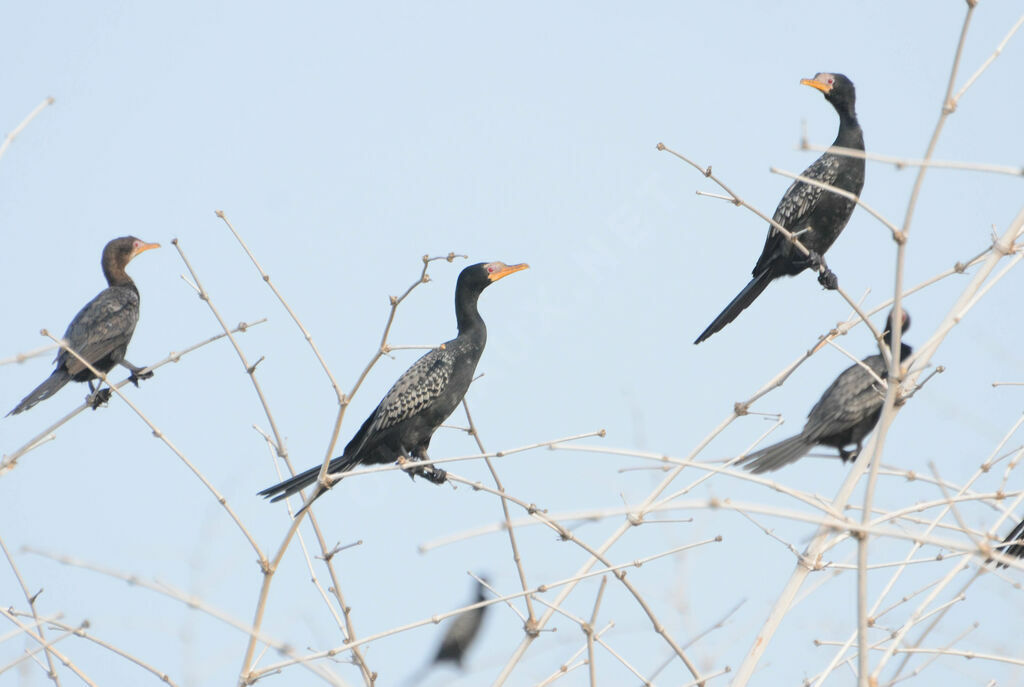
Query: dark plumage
x: 422, y: 398
x: 1010, y: 549
x: 845, y: 414
x: 462, y: 631
x: 100, y: 332
x: 815, y: 215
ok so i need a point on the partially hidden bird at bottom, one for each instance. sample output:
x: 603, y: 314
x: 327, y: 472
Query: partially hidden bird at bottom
x: 101, y: 330
x: 845, y: 414
x: 405, y: 420
x: 459, y: 635
x: 462, y: 631
x: 815, y: 215
x: 1012, y: 545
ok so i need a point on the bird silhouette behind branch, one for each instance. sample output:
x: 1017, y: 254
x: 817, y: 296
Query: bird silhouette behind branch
x: 460, y: 634
x: 845, y: 414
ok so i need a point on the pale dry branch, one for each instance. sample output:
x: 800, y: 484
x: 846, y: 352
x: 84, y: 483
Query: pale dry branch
x: 9, y: 138
x: 28, y: 355
x: 31, y: 599
x: 80, y: 632
x: 162, y: 436
x: 189, y: 600
x: 35, y: 636
x: 10, y: 460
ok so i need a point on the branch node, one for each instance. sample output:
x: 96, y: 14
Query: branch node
x: 741, y: 408
x: 660, y: 146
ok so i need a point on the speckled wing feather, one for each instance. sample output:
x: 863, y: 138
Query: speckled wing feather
x: 418, y: 387
x: 106, y: 323
x: 851, y: 398
x: 797, y: 204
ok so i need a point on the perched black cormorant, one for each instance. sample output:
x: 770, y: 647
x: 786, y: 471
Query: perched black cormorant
x: 815, y: 215
x: 422, y: 398
x: 100, y: 332
x: 845, y: 414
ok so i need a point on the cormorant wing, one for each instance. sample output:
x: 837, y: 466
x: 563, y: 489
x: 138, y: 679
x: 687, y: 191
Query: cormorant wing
x: 420, y: 386
x: 848, y: 401
x: 796, y: 207
x: 103, y: 325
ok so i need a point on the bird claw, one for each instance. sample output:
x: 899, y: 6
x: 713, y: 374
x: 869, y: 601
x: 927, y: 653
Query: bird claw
x: 429, y: 473
x: 135, y: 378
x: 98, y: 398
x: 828, y: 279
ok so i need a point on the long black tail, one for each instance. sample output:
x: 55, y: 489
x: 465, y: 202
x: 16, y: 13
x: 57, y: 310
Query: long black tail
x: 52, y: 385
x: 738, y: 304
x: 293, y: 485
x: 777, y: 455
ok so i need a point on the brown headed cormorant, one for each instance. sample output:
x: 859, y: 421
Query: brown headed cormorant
x: 814, y: 215
x: 100, y: 332
x: 845, y: 414
x: 422, y: 398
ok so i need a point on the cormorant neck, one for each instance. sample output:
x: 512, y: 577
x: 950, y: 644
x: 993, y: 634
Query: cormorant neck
x: 850, y: 134
x: 466, y: 314
x: 115, y: 274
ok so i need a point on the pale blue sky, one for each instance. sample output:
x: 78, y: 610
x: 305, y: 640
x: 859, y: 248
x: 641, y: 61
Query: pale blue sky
x: 345, y: 141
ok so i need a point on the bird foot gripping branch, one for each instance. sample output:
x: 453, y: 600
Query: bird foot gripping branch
x: 98, y: 398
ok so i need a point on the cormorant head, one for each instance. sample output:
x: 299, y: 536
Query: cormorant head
x: 120, y: 251
x: 483, y: 274
x: 837, y: 88
x: 887, y: 334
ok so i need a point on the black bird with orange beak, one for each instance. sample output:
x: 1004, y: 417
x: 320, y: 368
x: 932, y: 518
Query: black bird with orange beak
x: 405, y: 420
x: 815, y: 215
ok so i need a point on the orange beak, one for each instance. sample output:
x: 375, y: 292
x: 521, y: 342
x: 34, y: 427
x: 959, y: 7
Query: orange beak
x: 144, y: 247
x: 825, y: 88
x: 506, y: 270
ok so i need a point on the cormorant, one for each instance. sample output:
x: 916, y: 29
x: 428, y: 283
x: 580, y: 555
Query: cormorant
x: 845, y: 414
x: 814, y: 215
x: 462, y: 631
x: 1008, y: 549
x: 100, y: 332
x: 422, y: 398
